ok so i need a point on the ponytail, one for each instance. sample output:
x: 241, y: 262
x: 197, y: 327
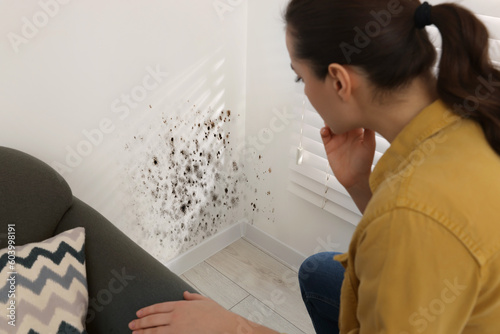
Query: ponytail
x: 468, y: 82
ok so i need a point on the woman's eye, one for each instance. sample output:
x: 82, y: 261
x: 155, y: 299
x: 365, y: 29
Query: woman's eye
x: 299, y: 79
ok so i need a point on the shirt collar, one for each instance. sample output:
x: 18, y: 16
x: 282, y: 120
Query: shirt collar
x: 426, y: 124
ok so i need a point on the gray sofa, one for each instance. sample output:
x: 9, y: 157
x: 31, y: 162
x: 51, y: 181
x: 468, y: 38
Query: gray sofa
x: 39, y: 201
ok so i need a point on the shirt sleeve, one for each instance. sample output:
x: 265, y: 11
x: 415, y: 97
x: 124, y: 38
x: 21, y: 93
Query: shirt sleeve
x: 415, y: 277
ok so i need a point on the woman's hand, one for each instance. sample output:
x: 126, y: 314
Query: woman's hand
x: 351, y: 156
x: 194, y: 315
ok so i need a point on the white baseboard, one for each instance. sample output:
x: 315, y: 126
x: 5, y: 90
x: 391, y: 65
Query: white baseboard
x: 206, y: 249
x: 282, y: 252
x: 221, y: 240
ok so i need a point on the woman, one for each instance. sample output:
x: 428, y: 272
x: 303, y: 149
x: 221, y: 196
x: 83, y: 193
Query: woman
x: 425, y: 257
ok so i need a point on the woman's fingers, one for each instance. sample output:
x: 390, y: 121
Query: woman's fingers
x: 160, y: 314
x: 326, y: 135
x: 370, y: 136
x: 151, y: 321
x: 325, y: 132
x: 193, y: 296
x: 156, y: 308
x: 356, y: 135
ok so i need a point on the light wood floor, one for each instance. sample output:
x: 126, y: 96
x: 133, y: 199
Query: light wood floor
x: 253, y: 284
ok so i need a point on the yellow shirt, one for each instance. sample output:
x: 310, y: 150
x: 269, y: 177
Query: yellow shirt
x: 425, y: 257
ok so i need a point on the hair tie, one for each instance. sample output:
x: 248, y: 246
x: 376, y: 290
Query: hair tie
x: 423, y: 15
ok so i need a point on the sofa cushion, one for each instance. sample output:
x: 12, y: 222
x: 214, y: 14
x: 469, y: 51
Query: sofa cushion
x: 43, y: 286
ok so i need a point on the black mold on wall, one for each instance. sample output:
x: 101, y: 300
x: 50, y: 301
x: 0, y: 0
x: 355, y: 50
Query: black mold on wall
x: 186, y: 179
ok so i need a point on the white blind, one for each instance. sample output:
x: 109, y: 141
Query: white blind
x: 313, y: 179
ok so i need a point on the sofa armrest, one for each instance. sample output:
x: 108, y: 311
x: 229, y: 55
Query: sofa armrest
x: 32, y: 195
x: 122, y: 277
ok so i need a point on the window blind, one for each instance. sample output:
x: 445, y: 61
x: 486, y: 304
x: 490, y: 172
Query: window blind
x: 312, y: 179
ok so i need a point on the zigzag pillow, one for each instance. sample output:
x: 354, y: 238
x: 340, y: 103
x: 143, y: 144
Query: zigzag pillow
x: 43, y: 289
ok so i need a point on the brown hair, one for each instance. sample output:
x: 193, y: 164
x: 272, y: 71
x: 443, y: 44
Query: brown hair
x: 382, y: 38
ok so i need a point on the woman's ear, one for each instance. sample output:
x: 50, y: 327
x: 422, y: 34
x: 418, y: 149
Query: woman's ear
x: 340, y: 81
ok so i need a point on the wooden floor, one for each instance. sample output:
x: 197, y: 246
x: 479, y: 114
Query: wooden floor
x: 251, y: 283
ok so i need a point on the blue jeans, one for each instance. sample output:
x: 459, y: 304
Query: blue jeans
x: 320, y: 279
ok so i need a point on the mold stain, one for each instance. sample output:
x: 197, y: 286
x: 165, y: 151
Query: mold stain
x: 261, y: 201
x: 185, y: 179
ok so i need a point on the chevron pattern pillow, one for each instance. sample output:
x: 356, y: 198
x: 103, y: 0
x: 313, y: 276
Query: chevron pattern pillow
x: 43, y: 286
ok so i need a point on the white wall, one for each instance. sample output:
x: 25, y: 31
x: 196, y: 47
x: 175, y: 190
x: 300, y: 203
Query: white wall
x: 65, y: 72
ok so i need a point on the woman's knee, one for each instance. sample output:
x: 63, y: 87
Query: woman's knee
x: 316, y: 266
